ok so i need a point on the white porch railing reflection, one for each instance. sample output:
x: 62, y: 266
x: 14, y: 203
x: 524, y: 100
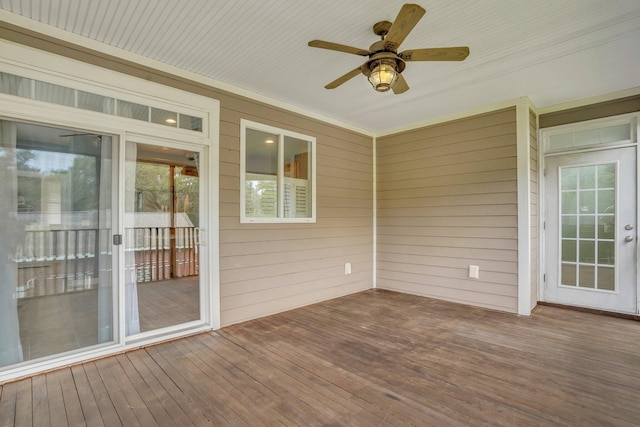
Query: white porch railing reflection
x: 163, y: 252
x: 57, y: 261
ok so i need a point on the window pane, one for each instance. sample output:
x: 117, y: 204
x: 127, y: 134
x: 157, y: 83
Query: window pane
x: 587, y: 202
x: 569, y: 202
x: 587, y: 276
x: 587, y: 227
x: 568, y: 274
x: 261, y: 152
x: 558, y: 142
x: 606, y: 253
x: 587, y: 137
x: 606, y: 201
x: 164, y: 117
x: 606, y: 278
x: 55, y: 94
x: 606, y: 225
x: 587, y: 177
x: 56, y: 241
x: 616, y: 133
x: 93, y: 102
x: 569, y: 251
x: 190, y: 122
x: 587, y: 251
x: 15, y: 85
x: 606, y: 176
x: 297, y: 190
x: 133, y: 111
x: 569, y: 226
x: 260, y: 196
x: 569, y: 178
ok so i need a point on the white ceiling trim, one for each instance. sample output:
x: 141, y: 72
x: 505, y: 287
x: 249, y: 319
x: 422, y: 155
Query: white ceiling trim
x: 589, y: 101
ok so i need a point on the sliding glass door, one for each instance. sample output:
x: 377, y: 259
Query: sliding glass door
x: 60, y: 258
x: 162, y: 237
x: 56, y: 258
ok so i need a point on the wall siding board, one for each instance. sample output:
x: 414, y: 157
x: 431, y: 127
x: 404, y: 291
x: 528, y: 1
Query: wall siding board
x: 447, y: 221
x: 491, y: 296
x: 326, y: 291
x: 477, y: 183
x: 435, y: 185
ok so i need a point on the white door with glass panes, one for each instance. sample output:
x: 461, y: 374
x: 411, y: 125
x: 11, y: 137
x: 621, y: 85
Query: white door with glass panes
x: 591, y: 230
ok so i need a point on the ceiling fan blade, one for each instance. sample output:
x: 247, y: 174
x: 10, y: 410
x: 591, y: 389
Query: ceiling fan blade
x: 436, y: 54
x: 337, y: 82
x: 407, y: 18
x: 400, y: 86
x: 339, y: 47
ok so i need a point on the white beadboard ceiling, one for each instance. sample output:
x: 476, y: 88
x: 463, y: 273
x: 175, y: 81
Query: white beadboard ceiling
x: 553, y: 51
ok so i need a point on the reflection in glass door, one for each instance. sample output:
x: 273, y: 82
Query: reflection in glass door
x: 56, y: 292
x: 162, y: 235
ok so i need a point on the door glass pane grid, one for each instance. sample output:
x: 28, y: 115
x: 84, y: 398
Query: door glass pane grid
x: 587, y: 226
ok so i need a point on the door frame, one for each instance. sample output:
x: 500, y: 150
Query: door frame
x: 205, y: 307
x: 53, y: 69
x: 633, y: 120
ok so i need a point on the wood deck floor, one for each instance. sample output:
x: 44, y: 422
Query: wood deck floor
x: 369, y: 359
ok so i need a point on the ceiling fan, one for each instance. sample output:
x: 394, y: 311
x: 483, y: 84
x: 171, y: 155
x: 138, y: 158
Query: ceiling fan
x: 385, y: 65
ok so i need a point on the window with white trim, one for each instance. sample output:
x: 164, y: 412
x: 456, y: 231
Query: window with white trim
x: 277, y: 175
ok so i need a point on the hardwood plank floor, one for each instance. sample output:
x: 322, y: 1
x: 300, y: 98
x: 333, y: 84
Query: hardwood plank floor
x: 369, y: 359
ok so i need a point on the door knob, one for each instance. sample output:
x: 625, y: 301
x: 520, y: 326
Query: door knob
x: 628, y: 239
x: 628, y: 227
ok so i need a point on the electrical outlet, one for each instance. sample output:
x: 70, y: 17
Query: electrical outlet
x: 474, y: 272
x: 347, y: 268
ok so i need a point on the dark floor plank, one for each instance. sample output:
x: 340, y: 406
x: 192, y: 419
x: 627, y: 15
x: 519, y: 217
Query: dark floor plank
x: 8, y: 395
x: 24, y: 408
x: 108, y: 412
x: 88, y: 404
x: 112, y: 386
x: 39, y: 393
x: 71, y: 399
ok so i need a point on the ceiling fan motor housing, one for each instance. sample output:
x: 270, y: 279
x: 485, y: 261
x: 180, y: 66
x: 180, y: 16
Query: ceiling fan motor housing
x: 383, y: 57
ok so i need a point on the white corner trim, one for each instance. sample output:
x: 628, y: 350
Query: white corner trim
x: 524, y: 206
x: 375, y: 214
